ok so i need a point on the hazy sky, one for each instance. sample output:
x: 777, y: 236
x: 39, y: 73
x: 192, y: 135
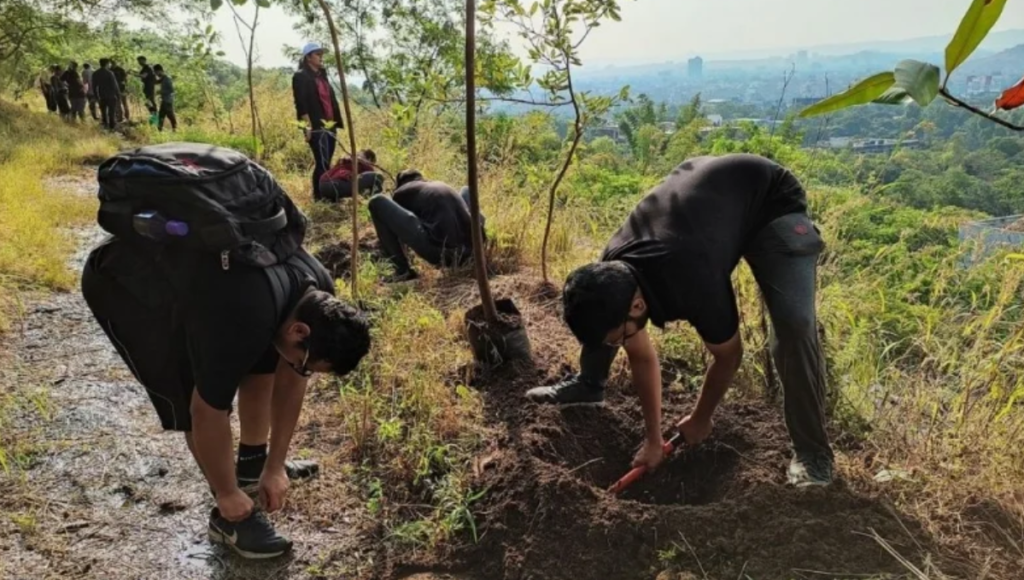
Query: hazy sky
x: 658, y: 30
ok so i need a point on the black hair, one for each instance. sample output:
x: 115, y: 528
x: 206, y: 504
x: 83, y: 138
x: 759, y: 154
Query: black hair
x: 408, y: 176
x: 597, y: 298
x: 369, y: 155
x: 72, y: 64
x: 140, y: 59
x: 338, y: 333
x: 158, y: 68
x: 86, y: 65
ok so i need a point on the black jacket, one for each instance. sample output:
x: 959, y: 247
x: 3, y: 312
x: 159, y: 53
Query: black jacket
x: 105, y: 84
x: 307, y: 99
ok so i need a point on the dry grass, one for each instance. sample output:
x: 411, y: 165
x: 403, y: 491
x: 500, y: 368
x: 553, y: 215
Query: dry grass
x: 928, y: 370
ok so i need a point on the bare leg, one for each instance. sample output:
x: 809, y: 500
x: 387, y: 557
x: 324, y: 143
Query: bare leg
x: 254, y: 396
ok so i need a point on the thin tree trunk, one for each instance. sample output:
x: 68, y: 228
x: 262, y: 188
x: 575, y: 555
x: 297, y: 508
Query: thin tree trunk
x: 479, y: 261
x: 252, y: 93
x: 578, y: 127
x: 352, y: 149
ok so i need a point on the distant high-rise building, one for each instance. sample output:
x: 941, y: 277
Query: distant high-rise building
x: 695, y: 67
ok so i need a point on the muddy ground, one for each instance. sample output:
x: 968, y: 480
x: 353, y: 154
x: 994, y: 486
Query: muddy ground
x: 113, y: 497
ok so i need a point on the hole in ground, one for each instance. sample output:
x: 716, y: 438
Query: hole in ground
x: 597, y: 445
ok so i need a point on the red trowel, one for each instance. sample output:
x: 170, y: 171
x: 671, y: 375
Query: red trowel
x: 638, y: 472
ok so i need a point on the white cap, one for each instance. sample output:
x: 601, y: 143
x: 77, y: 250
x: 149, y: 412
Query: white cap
x: 311, y: 47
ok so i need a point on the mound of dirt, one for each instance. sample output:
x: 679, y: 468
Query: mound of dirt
x: 720, y: 510
x: 337, y: 256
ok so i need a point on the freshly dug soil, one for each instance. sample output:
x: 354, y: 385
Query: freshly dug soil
x: 494, y: 344
x: 337, y: 256
x: 720, y: 510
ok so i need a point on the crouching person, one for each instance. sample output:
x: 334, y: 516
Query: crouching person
x: 429, y: 217
x: 336, y: 184
x: 197, y: 329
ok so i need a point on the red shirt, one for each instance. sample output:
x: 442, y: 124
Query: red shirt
x: 342, y: 170
x: 324, y: 91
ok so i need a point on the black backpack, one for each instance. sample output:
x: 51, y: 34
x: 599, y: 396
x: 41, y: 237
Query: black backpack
x: 232, y: 208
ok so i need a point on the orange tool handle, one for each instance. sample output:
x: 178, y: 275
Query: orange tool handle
x: 638, y: 472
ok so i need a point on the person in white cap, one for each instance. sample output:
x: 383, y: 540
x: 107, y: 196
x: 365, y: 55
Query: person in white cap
x: 316, y: 107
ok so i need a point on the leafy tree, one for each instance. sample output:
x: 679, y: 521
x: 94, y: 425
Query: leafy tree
x: 690, y: 113
x: 554, y: 31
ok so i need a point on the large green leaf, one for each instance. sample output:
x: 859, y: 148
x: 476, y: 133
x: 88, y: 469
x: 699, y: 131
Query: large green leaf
x: 980, y: 18
x: 861, y: 93
x: 919, y: 79
x: 215, y: 4
x: 263, y: 3
x: 894, y: 96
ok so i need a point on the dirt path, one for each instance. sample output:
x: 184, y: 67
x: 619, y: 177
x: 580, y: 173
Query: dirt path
x: 108, y: 494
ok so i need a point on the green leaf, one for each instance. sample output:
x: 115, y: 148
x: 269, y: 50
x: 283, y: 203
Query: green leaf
x: 263, y: 3
x: 861, y: 93
x: 894, y: 96
x: 220, y: 53
x: 919, y: 79
x: 980, y: 18
x: 215, y: 4
x: 209, y: 29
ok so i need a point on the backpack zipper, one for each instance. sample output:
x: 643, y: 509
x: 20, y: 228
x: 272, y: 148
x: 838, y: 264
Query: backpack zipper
x: 225, y: 261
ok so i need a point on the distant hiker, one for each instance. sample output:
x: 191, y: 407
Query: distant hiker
x: 316, y: 106
x: 76, y: 92
x: 427, y: 216
x: 90, y: 91
x: 46, y: 88
x: 107, y: 93
x: 673, y: 260
x: 166, y: 98
x: 336, y: 184
x: 209, y: 296
x: 59, y: 90
x: 149, y: 81
x: 122, y: 86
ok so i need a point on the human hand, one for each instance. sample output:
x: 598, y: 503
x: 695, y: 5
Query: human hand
x: 650, y: 455
x: 307, y: 134
x: 234, y: 506
x: 694, y: 429
x: 273, y: 489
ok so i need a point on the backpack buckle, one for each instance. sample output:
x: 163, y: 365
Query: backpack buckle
x: 225, y: 262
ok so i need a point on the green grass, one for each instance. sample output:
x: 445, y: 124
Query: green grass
x: 35, y: 220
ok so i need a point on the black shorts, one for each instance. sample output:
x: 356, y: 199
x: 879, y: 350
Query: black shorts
x: 130, y: 299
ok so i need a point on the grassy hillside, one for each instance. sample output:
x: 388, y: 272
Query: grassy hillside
x: 926, y: 357
x: 34, y: 241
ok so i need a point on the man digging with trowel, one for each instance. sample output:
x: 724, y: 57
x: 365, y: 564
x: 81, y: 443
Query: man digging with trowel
x: 673, y: 260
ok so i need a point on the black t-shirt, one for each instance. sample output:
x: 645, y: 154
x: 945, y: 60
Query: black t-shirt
x: 122, y: 78
x: 148, y: 80
x: 105, y: 84
x: 443, y: 212
x: 76, y: 90
x: 230, y: 319
x: 687, y: 235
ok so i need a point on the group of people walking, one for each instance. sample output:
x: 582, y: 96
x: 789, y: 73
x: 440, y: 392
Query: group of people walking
x: 104, y: 90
